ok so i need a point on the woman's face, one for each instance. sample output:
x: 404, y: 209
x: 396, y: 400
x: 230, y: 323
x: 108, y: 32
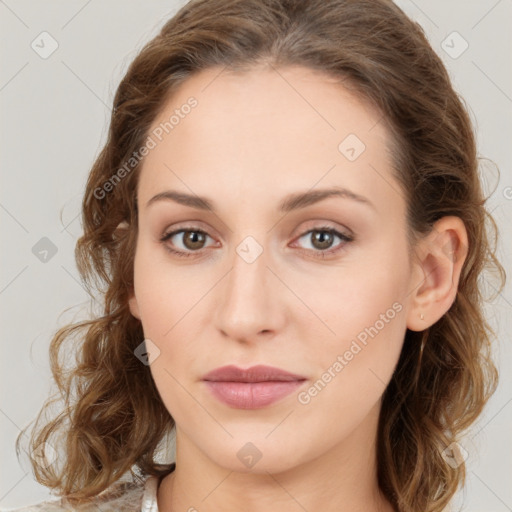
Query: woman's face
x: 281, y: 269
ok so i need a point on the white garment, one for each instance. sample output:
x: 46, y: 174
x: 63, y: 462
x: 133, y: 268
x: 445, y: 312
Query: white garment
x: 149, y: 503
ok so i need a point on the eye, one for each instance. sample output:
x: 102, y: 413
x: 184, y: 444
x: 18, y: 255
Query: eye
x: 191, y: 240
x: 187, y: 242
x: 321, y: 240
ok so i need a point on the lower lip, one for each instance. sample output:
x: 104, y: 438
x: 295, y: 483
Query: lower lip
x: 252, y: 395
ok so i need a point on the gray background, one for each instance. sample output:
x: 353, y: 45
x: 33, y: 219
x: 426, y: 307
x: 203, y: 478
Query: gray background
x: 53, y: 124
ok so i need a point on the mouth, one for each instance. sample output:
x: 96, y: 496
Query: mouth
x: 251, y: 388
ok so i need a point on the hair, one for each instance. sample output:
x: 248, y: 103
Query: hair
x: 113, y: 419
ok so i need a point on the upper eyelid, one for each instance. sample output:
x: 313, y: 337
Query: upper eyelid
x: 345, y: 237
x: 173, y: 232
x: 197, y: 227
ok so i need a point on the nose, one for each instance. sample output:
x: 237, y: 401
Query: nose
x: 250, y: 301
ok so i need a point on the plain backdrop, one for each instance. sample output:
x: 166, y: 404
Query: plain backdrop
x: 54, y: 114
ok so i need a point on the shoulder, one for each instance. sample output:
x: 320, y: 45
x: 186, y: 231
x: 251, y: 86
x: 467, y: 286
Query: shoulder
x: 46, y: 506
x: 126, y: 496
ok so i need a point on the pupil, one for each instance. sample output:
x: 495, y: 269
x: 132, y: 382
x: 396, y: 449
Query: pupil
x: 194, y: 239
x: 324, y: 238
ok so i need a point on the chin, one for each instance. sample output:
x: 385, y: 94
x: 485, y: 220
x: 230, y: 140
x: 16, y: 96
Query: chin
x: 255, y: 455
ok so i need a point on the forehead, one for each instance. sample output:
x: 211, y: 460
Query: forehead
x: 296, y: 98
x: 273, y: 129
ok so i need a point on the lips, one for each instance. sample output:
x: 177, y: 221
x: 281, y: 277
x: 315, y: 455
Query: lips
x: 258, y: 373
x: 251, y: 388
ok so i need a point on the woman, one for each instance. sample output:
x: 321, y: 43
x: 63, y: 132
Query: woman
x: 289, y: 229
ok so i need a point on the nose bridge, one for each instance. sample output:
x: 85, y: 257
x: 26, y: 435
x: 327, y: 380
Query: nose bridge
x: 249, y: 296
x: 247, y: 282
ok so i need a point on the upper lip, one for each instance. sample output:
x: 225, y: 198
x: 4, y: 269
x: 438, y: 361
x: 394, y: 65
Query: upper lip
x: 259, y: 373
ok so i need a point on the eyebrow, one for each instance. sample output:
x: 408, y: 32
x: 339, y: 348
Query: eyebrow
x: 291, y: 202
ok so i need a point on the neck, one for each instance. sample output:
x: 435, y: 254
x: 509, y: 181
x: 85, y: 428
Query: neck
x: 344, y: 478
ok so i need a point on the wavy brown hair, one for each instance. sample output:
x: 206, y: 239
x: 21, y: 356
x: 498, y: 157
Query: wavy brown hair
x: 113, y: 420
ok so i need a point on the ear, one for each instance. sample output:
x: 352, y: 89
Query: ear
x: 436, y: 271
x: 121, y: 231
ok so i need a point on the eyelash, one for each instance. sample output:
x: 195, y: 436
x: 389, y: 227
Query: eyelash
x: 319, y: 253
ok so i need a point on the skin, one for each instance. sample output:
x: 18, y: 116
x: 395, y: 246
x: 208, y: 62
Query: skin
x: 253, y: 139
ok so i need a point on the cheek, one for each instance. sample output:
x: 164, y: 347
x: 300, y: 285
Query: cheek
x: 164, y: 292
x: 358, y: 304
x: 169, y: 303
x: 354, y: 368
x: 365, y: 314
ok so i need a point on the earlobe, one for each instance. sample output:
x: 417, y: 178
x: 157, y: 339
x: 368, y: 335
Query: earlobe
x: 134, y: 306
x: 437, y: 270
